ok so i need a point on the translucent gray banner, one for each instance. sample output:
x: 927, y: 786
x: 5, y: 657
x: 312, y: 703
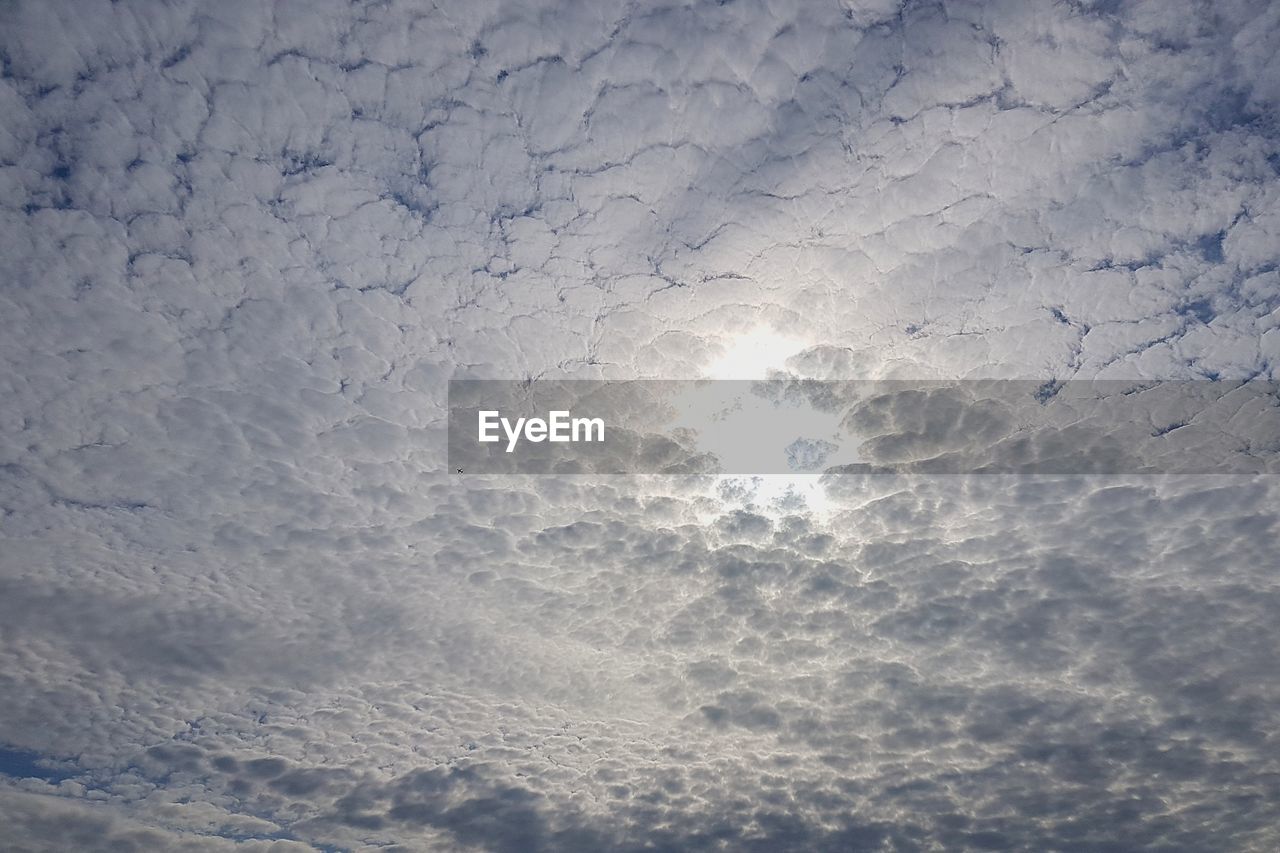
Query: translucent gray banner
x: 801, y: 426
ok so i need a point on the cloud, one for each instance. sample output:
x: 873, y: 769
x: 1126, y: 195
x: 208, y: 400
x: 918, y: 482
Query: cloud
x: 246, y: 246
x: 50, y: 823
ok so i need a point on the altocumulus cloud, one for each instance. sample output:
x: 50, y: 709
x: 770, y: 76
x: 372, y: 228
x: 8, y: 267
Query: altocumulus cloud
x: 246, y: 245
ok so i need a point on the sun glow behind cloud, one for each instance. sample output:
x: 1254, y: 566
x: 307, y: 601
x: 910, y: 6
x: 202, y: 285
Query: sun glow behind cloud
x: 754, y: 355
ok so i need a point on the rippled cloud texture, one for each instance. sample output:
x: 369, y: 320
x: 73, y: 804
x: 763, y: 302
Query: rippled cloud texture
x: 246, y: 245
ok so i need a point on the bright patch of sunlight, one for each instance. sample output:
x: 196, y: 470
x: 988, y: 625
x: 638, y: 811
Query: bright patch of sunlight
x: 753, y: 354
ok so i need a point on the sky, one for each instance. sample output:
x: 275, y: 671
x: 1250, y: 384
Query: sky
x: 244, y: 605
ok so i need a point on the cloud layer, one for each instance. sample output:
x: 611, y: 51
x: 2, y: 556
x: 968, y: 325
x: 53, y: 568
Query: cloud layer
x: 246, y: 245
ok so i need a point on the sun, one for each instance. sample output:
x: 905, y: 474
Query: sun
x: 753, y: 354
